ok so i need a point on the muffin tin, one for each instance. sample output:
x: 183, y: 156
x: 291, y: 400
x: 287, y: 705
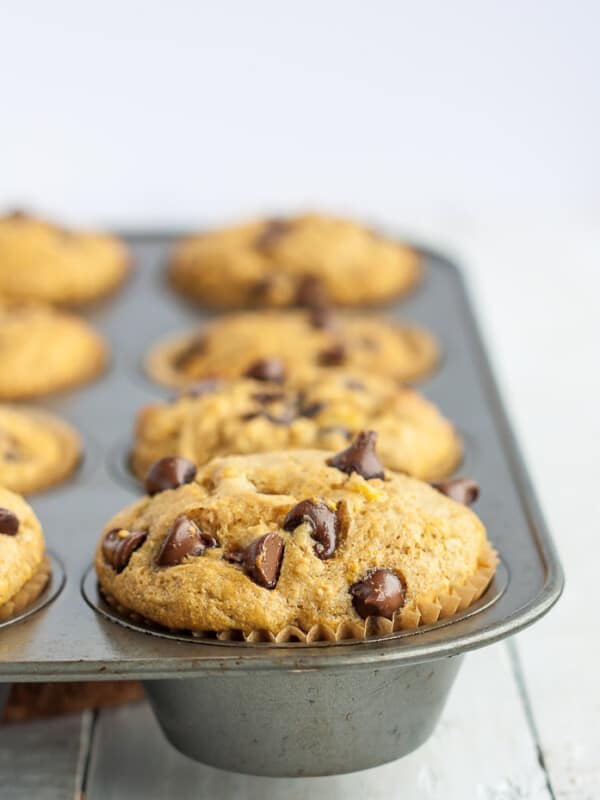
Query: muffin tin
x: 262, y: 708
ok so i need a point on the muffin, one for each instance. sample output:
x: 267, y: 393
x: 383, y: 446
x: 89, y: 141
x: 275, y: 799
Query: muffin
x: 43, y: 350
x: 281, y: 262
x: 24, y: 567
x: 299, y: 544
x: 280, y: 344
x: 44, y: 262
x: 318, y: 411
x: 37, y: 449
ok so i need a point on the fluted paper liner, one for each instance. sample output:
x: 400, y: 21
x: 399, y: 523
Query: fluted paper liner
x: 422, y: 611
x: 29, y: 592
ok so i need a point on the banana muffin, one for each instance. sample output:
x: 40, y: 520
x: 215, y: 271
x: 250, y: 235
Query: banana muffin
x: 43, y: 350
x: 24, y: 567
x: 286, y: 262
x: 322, y: 410
x: 45, y: 262
x: 280, y: 344
x: 37, y: 449
x: 297, y: 544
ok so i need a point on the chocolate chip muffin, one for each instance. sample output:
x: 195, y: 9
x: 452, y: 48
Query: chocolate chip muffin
x: 44, y: 262
x: 323, y: 410
x: 285, y: 262
x: 24, y: 568
x: 280, y: 344
x: 43, y: 350
x: 298, y: 544
x: 37, y: 449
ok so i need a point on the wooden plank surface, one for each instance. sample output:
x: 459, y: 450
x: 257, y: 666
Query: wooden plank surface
x: 482, y: 749
x: 544, y: 357
x: 44, y: 760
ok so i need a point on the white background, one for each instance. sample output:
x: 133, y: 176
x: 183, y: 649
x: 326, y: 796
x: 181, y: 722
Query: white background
x: 153, y: 111
x: 474, y: 124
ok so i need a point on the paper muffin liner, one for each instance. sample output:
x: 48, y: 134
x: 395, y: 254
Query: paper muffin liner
x: 29, y: 592
x: 423, y: 611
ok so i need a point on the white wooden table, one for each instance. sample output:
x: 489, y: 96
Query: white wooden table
x: 523, y: 721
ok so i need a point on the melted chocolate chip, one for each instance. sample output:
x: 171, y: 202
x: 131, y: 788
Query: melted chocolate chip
x: 183, y: 539
x: 273, y: 231
x: 266, y: 369
x: 360, y: 457
x: 288, y: 415
x: 378, y: 594
x: 268, y: 397
x: 182, y: 359
x: 311, y: 409
x: 118, y: 545
x: 234, y: 556
x: 169, y: 473
x: 333, y: 356
x: 311, y: 293
x: 323, y: 521
x: 9, y: 447
x: 322, y: 318
x: 9, y: 522
x: 463, y: 490
x: 260, y: 291
x: 262, y: 560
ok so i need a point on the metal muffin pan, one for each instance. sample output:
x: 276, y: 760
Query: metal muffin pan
x: 279, y: 709
x: 53, y: 588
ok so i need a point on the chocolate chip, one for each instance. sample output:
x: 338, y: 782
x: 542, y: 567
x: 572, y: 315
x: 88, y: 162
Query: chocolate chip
x: 235, y: 556
x: 463, y: 490
x: 311, y: 409
x: 169, y: 473
x: 333, y: 356
x: 360, y: 457
x: 197, y: 347
x: 323, y: 521
x: 183, y: 539
x: 322, y: 318
x: 262, y: 559
x: 287, y: 416
x: 273, y: 231
x: 9, y: 447
x: 262, y: 288
x: 266, y: 369
x: 17, y: 214
x: 311, y: 293
x: 118, y: 545
x: 201, y: 388
x: 268, y: 397
x: 378, y: 594
x: 9, y: 522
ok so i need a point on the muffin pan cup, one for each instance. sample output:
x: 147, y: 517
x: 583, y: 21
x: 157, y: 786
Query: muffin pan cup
x: 279, y: 709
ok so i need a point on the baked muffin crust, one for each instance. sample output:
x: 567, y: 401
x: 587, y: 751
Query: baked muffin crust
x: 276, y: 262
